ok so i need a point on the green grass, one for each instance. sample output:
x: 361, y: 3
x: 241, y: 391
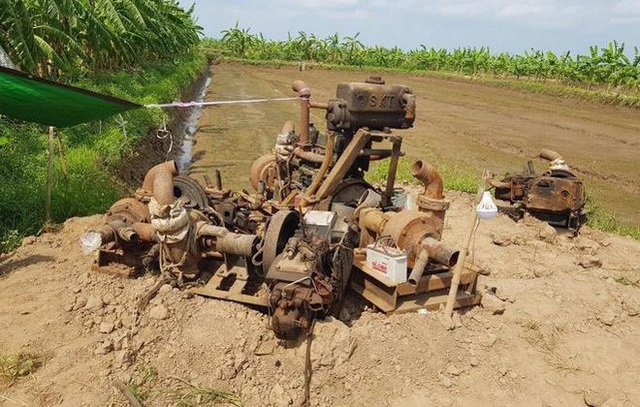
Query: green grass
x: 606, y: 221
x: 91, y: 151
x: 147, y: 386
x: 454, y: 179
x: 15, y: 366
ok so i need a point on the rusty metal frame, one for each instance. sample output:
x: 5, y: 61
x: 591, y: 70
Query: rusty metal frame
x: 430, y: 293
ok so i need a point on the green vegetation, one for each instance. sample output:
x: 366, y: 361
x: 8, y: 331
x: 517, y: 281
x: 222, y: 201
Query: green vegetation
x: 144, y: 51
x: 55, y: 38
x: 607, y: 69
x: 148, y: 386
x: 605, y: 221
x: 83, y: 181
x: 13, y: 367
x: 454, y: 178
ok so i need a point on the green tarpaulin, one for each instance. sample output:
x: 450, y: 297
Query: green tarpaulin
x: 33, y: 99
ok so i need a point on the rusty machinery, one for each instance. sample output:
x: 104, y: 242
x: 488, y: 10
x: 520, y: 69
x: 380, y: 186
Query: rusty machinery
x: 297, y: 243
x: 557, y: 196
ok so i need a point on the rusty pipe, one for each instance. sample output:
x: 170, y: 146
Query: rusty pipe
x: 309, y: 155
x: 440, y: 253
x: 549, y: 155
x: 418, y: 268
x: 128, y: 235
x: 145, y: 231
x: 108, y: 231
x: 373, y: 219
x: 163, y: 183
x: 305, y: 94
x: 229, y: 242
x: 430, y: 177
x: 149, y: 178
x: 431, y: 250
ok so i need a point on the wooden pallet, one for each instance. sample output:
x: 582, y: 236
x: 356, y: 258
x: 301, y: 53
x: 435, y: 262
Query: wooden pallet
x: 430, y: 293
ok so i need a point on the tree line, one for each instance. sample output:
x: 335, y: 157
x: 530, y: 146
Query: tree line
x: 609, y: 65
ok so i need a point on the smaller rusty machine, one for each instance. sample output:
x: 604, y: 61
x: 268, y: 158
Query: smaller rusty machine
x: 556, y: 197
x: 313, y: 226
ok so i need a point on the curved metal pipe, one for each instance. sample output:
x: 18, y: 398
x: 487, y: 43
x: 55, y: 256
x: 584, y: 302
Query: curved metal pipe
x: 163, y: 182
x: 431, y: 179
x: 149, y: 178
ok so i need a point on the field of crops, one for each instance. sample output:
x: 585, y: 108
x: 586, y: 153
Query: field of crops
x: 51, y: 37
x: 611, y: 65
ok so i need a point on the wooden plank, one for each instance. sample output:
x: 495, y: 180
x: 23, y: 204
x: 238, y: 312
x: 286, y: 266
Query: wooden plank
x: 374, y: 296
x: 380, y: 295
x: 433, y: 301
x: 343, y: 164
x: 433, y: 282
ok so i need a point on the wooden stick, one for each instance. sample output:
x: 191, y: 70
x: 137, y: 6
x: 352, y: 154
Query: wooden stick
x: 133, y: 401
x: 457, y: 271
x: 47, y: 205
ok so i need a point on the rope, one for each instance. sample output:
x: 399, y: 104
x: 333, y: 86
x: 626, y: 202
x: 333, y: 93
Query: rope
x: 183, y: 105
x: 308, y: 368
x: 123, y: 124
x: 163, y: 133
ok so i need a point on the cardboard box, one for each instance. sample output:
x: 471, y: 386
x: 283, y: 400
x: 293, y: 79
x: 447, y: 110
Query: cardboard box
x: 388, y: 261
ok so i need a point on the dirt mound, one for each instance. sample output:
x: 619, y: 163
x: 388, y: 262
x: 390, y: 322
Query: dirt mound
x: 559, y: 325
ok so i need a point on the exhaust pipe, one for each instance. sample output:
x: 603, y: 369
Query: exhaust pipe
x: 435, y: 251
x: 159, y: 182
x: 305, y: 94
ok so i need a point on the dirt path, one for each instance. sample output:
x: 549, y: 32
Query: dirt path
x: 550, y: 332
x: 459, y: 125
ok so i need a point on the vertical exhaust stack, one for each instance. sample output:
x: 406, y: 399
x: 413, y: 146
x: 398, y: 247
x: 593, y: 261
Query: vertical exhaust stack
x: 305, y: 94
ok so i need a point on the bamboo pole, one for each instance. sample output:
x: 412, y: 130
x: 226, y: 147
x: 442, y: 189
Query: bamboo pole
x: 457, y: 271
x: 49, y: 175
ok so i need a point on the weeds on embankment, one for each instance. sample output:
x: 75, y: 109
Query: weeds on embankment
x: 83, y: 180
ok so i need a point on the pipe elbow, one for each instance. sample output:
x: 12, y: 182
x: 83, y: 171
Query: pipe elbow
x: 149, y: 179
x: 430, y: 177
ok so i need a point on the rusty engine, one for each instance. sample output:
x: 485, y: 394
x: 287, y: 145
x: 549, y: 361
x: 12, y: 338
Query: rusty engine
x: 557, y: 196
x: 290, y: 246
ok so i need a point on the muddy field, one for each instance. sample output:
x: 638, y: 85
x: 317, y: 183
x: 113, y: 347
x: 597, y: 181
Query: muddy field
x: 559, y: 322
x: 460, y: 125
